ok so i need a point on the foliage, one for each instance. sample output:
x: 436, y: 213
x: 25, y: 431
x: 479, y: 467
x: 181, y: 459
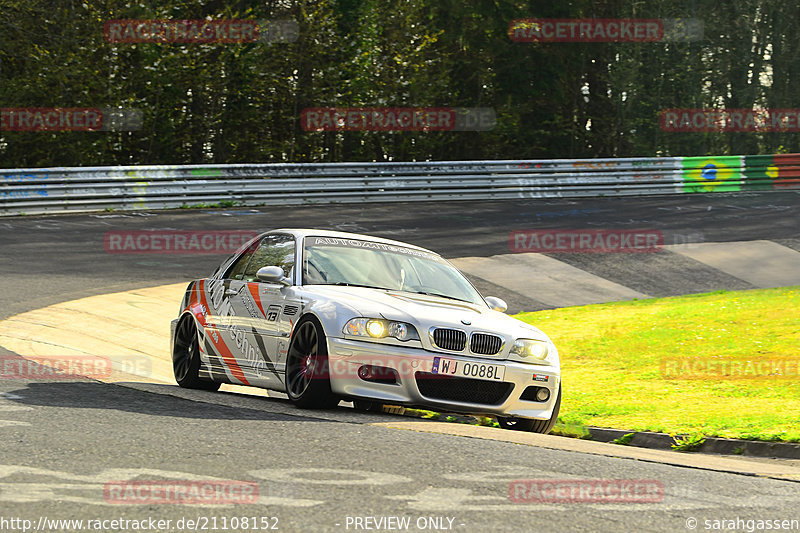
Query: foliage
x: 687, y: 443
x: 576, y: 431
x: 625, y: 439
x: 241, y: 102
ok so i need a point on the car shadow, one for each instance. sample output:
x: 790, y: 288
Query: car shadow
x: 159, y: 399
x: 98, y: 395
x: 344, y: 412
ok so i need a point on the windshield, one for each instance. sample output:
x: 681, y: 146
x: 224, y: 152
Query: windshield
x: 334, y: 261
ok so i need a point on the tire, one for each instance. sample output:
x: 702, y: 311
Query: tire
x: 186, y: 357
x: 307, y: 374
x: 529, y: 424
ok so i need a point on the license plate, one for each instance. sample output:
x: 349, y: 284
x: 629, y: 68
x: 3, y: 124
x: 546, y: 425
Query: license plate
x: 467, y: 369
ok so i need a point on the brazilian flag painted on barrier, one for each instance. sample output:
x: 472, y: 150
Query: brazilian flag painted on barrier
x: 712, y: 173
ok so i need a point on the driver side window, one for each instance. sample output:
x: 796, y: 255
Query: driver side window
x: 236, y: 271
x: 273, y: 250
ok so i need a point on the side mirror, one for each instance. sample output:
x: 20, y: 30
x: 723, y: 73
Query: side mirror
x: 272, y: 274
x: 496, y: 304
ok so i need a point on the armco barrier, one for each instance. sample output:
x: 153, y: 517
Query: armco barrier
x: 54, y: 190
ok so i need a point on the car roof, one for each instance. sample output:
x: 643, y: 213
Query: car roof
x: 305, y: 232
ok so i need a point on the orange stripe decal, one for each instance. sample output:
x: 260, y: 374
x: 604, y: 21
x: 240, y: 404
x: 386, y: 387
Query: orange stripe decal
x: 253, y: 288
x: 219, y: 344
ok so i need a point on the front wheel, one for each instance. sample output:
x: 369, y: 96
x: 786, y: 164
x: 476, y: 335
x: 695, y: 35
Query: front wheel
x: 186, y: 357
x: 528, y: 424
x: 307, y: 371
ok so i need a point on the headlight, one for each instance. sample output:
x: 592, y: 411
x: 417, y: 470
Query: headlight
x: 378, y: 328
x: 530, y: 350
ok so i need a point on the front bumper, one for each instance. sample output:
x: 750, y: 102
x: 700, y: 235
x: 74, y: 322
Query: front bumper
x: 412, y: 365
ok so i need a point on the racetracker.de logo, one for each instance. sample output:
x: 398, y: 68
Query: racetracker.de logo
x: 586, y: 241
x: 539, y: 30
x: 200, y: 31
x: 586, y: 491
x: 398, y: 119
x: 51, y: 119
x: 176, y: 242
x: 729, y: 368
x: 70, y: 119
x: 67, y: 367
x: 181, y: 31
x: 215, y: 492
x: 62, y: 367
x: 741, y: 120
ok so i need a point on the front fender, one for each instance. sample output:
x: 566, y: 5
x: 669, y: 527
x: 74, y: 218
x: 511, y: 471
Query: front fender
x: 332, y: 315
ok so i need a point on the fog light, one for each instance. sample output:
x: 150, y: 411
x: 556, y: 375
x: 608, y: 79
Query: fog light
x: 543, y: 395
x: 378, y: 374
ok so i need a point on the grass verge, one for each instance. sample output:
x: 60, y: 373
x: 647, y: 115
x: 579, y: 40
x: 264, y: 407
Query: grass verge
x: 721, y: 364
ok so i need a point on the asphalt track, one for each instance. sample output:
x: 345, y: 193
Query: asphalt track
x: 63, y: 441
x: 52, y: 259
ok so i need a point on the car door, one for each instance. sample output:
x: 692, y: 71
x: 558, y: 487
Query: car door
x: 223, y: 320
x: 262, y: 338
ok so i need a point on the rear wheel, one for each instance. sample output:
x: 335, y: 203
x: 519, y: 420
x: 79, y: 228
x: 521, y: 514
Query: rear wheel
x: 186, y: 357
x: 528, y: 424
x: 307, y: 371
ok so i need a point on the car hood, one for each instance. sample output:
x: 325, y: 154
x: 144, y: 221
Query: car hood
x: 425, y: 311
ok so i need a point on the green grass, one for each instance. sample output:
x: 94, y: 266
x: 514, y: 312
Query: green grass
x: 624, y: 440
x: 684, y: 365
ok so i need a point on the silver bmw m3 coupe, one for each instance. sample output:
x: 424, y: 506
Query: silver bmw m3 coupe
x: 328, y: 316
